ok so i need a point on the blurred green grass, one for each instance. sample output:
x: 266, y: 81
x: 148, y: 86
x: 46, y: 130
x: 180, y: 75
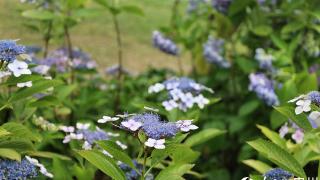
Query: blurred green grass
x: 96, y: 35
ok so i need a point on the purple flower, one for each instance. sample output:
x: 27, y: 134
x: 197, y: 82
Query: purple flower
x: 277, y: 174
x: 314, y: 96
x: 154, y: 127
x: 264, y: 88
x: 213, y: 52
x: 164, y: 44
x: 10, y: 169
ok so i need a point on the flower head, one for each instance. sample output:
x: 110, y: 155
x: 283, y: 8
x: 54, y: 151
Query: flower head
x: 277, y: 174
x: 10, y: 169
x: 213, y: 52
x: 9, y: 50
x: 264, y: 89
x: 164, y: 44
x: 314, y: 96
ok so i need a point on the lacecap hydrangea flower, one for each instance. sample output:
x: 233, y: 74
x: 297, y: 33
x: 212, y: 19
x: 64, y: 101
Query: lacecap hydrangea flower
x: 264, y: 88
x: 11, y: 169
x: 59, y: 59
x: 156, y: 129
x: 83, y: 133
x: 303, y: 102
x: 213, y: 51
x: 277, y: 174
x: 183, y: 93
x: 221, y: 5
x: 9, y: 50
x: 164, y: 44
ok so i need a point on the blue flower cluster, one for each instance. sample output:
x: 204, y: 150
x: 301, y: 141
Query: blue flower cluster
x: 263, y: 87
x: 132, y: 174
x: 213, y: 50
x: 9, y: 50
x: 164, y: 44
x: 12, y: 170
x: 92, y: 136
x: 154, y: 127
x: 221, y: 5
x: 277, y: 174
x: 185, y: 84
x: 314, y: 96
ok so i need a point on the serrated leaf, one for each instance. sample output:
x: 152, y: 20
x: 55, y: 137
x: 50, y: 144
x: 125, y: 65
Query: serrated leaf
x: 278, y: 156
x: 10, y: 154
x: 203, y: 136
x: 301, y: 120
x: 259, y: 166
x: 273, y: 136
x: 104, y: 163
x: 20, y: 131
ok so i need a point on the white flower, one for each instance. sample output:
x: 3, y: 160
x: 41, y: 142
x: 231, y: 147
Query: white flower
x: 201, y: 101
x: 173, y: 85
x: 41, y: 69
x: 123, y: 146
x: 19, y: 68
x: 86, y: 145
x: 188, y: 100
x: 297, y: 98
x: 131, y: 124
x: 298, y: 136
x: 176, y: 94
x: 67, y: 129
x: 169, y: 105
x: 314, y: 116
x: 283, y: 130
x: 158, y: 144
x: 303, y: 106
x: 72, y: 136
x: 24, y: 84
x: 113, y: 134
x: 83, y: 126
x: 107, y: 153
x: 186, y: 125
x: 43, y: 170
x: 107, y: 119
x: 156, y: 88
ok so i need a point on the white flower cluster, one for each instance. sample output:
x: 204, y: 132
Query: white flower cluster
x: 44, y: 124
x: 43, y: 169
x: 183, y: 93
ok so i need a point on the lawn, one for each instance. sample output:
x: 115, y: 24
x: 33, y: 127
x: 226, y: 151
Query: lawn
x: 96, y: 35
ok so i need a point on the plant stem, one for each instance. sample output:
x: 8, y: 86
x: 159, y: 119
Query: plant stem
x: 47, y: 38
x: 143, y: 174
x: 174, y: 14
x: 117, y: 102
x: 180, y: 66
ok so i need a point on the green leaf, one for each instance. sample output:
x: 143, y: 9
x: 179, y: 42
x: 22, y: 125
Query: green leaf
x: 20, y: 145
x: 278, y: 156
x: 133, y: 10
x: 104, y: 163
x: 116, y: 152
x: 4, y: 132
x: 262, y: 30
x: 37, y: 87
x: 203, y: 136
x: 10, y: 154
x: 51, y: 155
x: 301, y: 120
x: 46, y: 101
x: 38, y: 14
x: 273, y: 136
x: 20, y: 131
x: 248, y: 108
x: 174, y: 171
x: 259, y: 166
x: 292, y: 27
